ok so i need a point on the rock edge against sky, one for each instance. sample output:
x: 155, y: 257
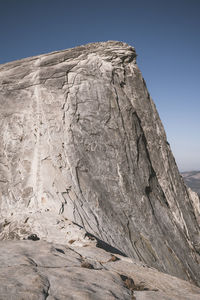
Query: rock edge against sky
x: 83, y: 150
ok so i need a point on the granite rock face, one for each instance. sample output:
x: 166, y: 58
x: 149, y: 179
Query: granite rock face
x: 82, y: 144
x: 82, y: 273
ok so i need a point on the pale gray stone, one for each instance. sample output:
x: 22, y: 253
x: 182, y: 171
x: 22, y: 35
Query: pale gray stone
x: 42, y: 270
x: 81, y: 142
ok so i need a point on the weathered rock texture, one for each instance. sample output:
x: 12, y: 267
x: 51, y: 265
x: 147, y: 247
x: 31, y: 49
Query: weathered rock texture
x: 82, y: 273
x: 81, y: 141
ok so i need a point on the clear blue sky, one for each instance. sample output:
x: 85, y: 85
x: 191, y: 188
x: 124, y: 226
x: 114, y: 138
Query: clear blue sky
x: 165, y: 33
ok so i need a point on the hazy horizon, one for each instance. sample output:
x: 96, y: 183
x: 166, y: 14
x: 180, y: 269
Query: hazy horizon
x: 165, y: 34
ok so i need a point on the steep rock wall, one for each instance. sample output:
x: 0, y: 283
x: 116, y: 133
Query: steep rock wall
x: 81, y: 140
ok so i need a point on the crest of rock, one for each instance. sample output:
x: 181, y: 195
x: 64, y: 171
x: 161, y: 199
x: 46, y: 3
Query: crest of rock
x: 82, y: 149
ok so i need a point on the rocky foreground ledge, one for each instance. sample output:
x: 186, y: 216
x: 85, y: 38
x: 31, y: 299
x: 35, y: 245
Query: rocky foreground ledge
x: 83, y: 155
x: 40, y: 270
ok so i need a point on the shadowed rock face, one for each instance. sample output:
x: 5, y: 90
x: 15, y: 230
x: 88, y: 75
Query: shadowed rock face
x: 81, y: 141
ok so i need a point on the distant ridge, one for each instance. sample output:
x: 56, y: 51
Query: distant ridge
x: 192, y: 179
